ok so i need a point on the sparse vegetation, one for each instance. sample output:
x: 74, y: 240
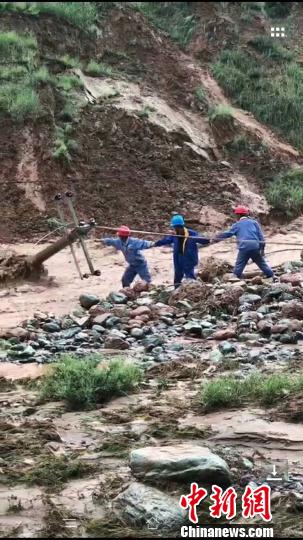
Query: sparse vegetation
x: 146, y: 111
x: 278, y: 9
x: 64, y: 144
x: 70, y: 62
x: 175, y: 18
x: 82, y: 384
x: 242, y: 145
x: 285, y: 193
x: 98, y: 70
x: 232, y: 392
x: 69, y: 82
x: 221, y: 113
x: 80, y: 14
x: 268, y: 46
x: 42, y: 75
x: 201, y: 98
x: 54, y: 471
x: 21, y: 78
x: 273, y: 96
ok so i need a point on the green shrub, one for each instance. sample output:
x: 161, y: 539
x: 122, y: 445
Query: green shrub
x: 267, y: 390
x: 68, y: 82
x: 278, y: 9
x: 221, y: 113
x: 81, y: 14
x: 82, y: 384
x: 274, y: 96
x: 42, y: 75
x: 285, y: 193
x: 268, y: 46
x: 175, y: 18
x: 98, y: 70
x: 70, y: 62
x: 11, y: 73
x: 19, y: 101
x: 17, y: 48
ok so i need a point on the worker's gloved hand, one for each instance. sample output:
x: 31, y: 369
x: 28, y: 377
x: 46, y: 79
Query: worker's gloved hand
x: 262, y: 250
x: 152, y: 244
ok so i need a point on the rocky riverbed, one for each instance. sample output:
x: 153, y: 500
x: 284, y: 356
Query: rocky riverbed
x: 124, y: 465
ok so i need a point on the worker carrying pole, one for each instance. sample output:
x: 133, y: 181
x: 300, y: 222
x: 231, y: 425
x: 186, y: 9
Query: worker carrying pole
x: 250, y: 240
x: 185, y: 254
x: 131, y: 248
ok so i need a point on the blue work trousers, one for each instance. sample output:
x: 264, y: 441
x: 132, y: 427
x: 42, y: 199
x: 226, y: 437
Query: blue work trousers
x: 132, y: 271
x: 256, y: 257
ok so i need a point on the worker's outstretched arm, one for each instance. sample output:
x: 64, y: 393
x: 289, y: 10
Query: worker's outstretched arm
x: 227, y: 234
x: 142, y: 244
x: 166, y: 241
x: 114, y: 242
x: 202, y: 240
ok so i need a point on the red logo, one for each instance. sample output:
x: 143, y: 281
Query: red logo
x: 192, y: 500
x: 255, y: 502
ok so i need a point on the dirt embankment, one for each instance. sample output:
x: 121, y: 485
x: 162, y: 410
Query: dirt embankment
x: 144, y: 152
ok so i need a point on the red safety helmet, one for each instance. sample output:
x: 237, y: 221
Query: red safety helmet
x: 241, y: 210
x: 123, y: 231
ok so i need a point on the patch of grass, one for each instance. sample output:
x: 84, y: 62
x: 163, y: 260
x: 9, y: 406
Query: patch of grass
x: 11, y: 73
x: 285, y: 193
x: 64, y: 144
x: 146, y: 111
x: 96, y: 69
x: 274, y: 96
x: 70, y: 111
x: 201, y: 99
x: 70, y: 62
x: 53, y: 223
x: 277, y: 10
x: 80, y: 14
x: 42, y: 75
x: 242, y: 145
x: 231, y: 392
x: 269, y: 46
x: 20, y: 101
x: 20, y: 47
x: 175, y: 18
x: 69, y: 82
x: 221, y: 113
x: 54, y: 471
x: 82, y: 384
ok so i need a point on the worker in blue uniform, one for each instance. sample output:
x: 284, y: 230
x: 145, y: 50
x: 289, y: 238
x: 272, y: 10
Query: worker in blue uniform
x: 250, y: 240
x: 131, y: 249
x: 185, y: 245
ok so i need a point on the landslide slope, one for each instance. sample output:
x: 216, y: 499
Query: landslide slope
x: 119, y: 114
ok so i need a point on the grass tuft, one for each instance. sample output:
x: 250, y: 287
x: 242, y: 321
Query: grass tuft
x: 98, y: 70
x: 231, y: 392
x: 82, y: 384
x: 285, y: 193
x: 221, y: 113
x: 175, y: 18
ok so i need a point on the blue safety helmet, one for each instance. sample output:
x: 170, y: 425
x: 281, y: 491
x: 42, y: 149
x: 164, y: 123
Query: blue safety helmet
x: 177, y: 221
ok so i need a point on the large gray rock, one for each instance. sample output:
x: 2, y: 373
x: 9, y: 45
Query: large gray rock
x: 51, y: 327
x: 144, y: 506
x: 116, y: 343
x: 117, y: 298
x: 183, y: 462
x: 88, y: 300
x: 249, y: 299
